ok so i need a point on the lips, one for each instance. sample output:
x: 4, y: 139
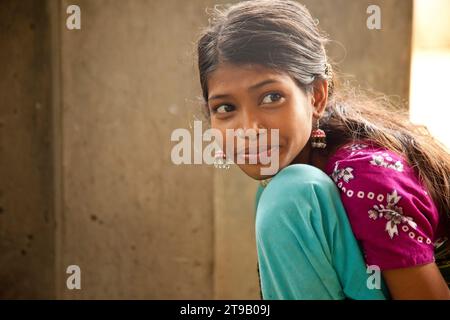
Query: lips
x: 263, y: 151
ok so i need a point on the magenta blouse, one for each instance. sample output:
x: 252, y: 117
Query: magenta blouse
x: 392, y: 216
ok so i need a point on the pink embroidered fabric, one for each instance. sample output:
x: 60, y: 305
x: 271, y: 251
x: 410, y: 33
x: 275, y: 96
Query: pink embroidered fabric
x: 392, y: 216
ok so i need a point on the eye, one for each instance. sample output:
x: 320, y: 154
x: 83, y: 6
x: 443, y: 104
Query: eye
x: 271, y: 97
x: 224, y: 108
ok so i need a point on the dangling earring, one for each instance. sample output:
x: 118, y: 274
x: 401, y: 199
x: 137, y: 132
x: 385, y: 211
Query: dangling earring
x: 318, y: 137
x: 221, y: 161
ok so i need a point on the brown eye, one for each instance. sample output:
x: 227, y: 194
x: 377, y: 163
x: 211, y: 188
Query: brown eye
x: 224, y: 108
x: 271, y: 97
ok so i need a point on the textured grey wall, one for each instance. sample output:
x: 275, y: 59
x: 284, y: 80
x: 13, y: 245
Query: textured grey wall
x: 97, y: 125
x: 137, y: 225
x: 379, y: 59
x: 27, y: 245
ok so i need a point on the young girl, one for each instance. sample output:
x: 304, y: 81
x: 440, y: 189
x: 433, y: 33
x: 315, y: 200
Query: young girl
x: 359, y: 189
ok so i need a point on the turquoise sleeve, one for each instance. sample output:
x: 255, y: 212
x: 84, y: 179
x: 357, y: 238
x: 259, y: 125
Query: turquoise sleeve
x: 305, y: 245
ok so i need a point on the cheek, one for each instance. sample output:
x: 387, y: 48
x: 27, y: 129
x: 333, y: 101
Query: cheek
x: 297, y: 135
x: 297, y: 128
x: 221, y: 131
x: 297, y: 121
x: 223, y: 139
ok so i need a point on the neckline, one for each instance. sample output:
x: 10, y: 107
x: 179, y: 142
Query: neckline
x: 263, y: 183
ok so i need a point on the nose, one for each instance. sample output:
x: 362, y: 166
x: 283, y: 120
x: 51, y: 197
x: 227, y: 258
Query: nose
x: 250, y: 120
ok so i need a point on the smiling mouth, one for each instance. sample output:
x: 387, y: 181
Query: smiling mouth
x: 263, y: 151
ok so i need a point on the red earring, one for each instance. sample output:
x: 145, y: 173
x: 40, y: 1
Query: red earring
x: 318, y: 137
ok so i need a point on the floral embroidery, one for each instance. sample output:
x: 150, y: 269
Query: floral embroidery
x: 345, y: 174
x: 392, y: 213
x: 356, y: 146
x: 379, y: 194
x: 380, y: 160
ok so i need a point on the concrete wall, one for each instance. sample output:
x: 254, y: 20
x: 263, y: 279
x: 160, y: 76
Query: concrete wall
x: 137, y: 225
x: 27, y: 246
x: 86, y: 176
x: 378, y: 59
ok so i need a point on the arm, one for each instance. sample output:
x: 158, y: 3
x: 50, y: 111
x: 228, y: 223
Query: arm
x: 395, y: 221
x: 421, y: 282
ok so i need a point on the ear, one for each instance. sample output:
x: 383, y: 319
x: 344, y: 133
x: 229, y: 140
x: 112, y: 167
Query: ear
x: 319, y: 97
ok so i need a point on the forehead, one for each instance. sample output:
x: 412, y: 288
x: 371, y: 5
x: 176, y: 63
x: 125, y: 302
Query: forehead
x: 230, y: 77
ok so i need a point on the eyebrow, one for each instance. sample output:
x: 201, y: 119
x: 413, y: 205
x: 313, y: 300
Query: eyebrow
x: 251, y: 88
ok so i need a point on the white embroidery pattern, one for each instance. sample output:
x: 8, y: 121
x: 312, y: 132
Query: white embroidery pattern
x: 356, y: 146
x: 390, y: 209
x: 344, y: 174
x: 393, y: 214
x: 380, y: 160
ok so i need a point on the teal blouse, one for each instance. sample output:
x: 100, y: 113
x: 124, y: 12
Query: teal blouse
x: 305, y: 245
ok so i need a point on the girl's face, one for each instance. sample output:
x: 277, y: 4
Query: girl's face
x: 256, y: 97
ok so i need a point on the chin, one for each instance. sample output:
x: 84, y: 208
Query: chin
x: 254, y: 171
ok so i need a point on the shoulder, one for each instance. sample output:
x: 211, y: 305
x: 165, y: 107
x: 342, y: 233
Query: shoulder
x: 290, y: 195
x: 367, y: 156
x: 295, y: 182
x: 388, y: 206
x: 368, y: 173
